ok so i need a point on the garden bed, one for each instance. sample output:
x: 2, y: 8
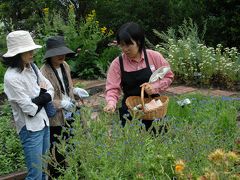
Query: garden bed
x: 195, y: 131
x: 15, y: 176
x: 181, y: 115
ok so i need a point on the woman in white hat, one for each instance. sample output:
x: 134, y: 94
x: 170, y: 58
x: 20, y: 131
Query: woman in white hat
x: 27, y: 96
x: 58, y: 72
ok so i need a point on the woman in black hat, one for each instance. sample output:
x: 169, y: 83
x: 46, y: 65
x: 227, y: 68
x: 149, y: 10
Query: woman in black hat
x: 58, y: 72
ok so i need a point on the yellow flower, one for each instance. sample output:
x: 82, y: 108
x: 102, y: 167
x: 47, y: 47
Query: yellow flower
x: 89, y: 19
x: 235, y: 176
x: 103, y: 29
x: 179, y: 166
x: 211, y: 175
x: 46, y: 10
x: 217, y: 156
x: 91, y: 16
x: 110, y: 32
x: 232, y: 156
x: 71, y: 7
x: 93, y: 12
x: 140, y: 176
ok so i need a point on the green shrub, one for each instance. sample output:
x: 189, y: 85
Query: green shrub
x: 106, y: 57
x: 196, y: 64
x: 2, y: 72
x: 83, y: 35
x: 2, y: 51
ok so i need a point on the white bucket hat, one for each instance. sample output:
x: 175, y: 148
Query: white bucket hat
x: 19, y: 42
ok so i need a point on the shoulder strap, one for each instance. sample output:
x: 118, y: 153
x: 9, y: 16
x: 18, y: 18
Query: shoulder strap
x: 121, y: 63
x: 121, y: 67
x: 35, y: 70
x: 66, y: 83
x: 146, y: 58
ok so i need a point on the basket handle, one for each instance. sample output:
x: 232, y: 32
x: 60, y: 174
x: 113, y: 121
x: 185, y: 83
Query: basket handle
x: 142, y: 97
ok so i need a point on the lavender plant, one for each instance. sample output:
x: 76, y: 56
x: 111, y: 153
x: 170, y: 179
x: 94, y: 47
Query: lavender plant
x: 102, y: 149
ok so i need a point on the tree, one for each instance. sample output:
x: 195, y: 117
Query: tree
x: 150, y: 14
x: 26, y: 14
x: 223, y: 23
x: 22, y: 14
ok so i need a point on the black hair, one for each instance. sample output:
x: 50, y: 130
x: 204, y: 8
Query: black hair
x: 48, y: 60
x: 14, y: 62
x: 131, y: 31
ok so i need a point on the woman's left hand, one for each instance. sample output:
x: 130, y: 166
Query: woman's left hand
x: 148, y: 88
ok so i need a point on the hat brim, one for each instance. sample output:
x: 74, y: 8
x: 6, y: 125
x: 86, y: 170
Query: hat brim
x: 21, y: 50
x: 58, y: 51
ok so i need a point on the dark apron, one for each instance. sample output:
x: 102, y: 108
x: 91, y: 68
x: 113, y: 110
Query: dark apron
x: 130, y: 82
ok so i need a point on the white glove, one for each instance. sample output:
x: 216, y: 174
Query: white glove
x: 67, y: 105
x: 80, y: 92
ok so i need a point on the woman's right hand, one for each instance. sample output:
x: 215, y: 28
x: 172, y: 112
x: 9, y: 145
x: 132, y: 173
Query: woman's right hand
x: 109, y: 108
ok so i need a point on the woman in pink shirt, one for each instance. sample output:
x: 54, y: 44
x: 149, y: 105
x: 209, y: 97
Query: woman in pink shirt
x: 132, y: 69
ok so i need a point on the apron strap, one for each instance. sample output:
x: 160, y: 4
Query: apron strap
x: 121, y: 64
x: 121, y: 61
x: 146, y: 58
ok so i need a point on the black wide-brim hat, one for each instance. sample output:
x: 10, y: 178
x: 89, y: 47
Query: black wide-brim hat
x: 55, y: 46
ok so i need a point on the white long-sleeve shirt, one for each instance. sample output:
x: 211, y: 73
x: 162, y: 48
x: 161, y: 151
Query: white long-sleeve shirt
x: 20, y: 88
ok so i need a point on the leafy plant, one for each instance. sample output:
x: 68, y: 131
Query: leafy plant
x: 81, y: 36
x: 196, y: 64
x: 1, y: 88
x: 11, y: 153
x: 2, y: 50
x: 102, y: 149
x: 106, y: 58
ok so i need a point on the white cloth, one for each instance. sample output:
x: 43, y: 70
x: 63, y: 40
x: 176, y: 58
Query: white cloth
x: 82, y: 93
x: 20, y: 88
x: 159, y: 73
x: 184, y: 102
x: 153, y: 104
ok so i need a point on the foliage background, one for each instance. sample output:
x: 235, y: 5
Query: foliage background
x: 222, y: 17
x: 90, y: 26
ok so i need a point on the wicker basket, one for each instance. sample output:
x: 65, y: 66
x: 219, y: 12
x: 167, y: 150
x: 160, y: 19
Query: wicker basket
x: 159, y: 112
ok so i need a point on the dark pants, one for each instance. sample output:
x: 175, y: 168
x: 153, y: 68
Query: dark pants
x: 123, y: 112
x: 55, y: 131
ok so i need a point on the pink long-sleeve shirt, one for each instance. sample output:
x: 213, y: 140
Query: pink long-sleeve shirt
x: 113, y: 83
